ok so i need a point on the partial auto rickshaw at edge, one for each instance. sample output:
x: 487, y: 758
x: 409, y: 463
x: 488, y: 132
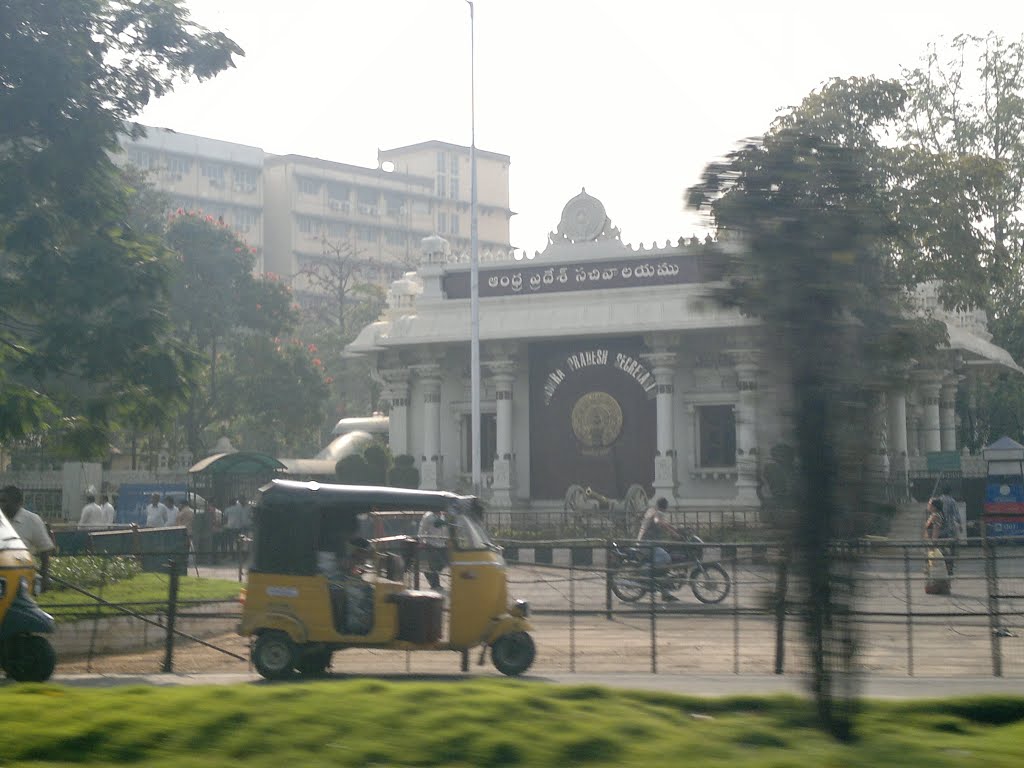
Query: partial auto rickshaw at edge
x: 314, y: 586
x: 25, y: 655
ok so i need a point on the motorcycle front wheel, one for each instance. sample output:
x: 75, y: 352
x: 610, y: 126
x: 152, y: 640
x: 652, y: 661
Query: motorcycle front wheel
x: 710, y: 583
x: 629, y: 583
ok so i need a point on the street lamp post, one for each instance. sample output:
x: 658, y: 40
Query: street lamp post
x: 474, y: 269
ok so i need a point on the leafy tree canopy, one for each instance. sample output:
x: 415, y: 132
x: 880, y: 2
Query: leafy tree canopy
x: 273, y: 395
x: 230, y: 319
x: 811, y: 216
x: 83, y: 295
x: 965, y: 112
x: 337, y: 301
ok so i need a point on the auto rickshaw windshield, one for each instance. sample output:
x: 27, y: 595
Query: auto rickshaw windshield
x: 9, y: 538
x: 470, y: 534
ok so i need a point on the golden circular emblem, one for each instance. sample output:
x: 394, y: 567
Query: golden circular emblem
x: 597, y: 420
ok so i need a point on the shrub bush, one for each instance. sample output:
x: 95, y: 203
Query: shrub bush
x: 404, y: 474
x: 378, y: 461
x: 352, y: 470
x: 92, y: 571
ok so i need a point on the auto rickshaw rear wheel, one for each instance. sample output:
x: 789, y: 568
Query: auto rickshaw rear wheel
x: 28, y: 658
x: 314, y: 663
x: 274, y: 655
x: 513, y: 653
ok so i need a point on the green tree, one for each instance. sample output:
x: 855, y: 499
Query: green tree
x: 337, y: 302
x: 966, y: 113
x: 83, y: 296
x: 217, y: 305
x: 810, y: 214
x: 966, y: 109
x: 273, y: 395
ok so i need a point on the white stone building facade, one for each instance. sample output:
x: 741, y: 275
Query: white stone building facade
x: 605, y: 366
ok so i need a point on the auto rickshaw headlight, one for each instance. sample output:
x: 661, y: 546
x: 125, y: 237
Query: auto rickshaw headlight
x: 522, y: 609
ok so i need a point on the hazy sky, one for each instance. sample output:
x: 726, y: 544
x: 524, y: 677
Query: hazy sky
x: 628, y: 99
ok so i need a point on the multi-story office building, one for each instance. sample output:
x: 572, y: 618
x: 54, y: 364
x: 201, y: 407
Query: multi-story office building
x: 447, y: 167
x: 295, y: 210
x: 220, y: 178
x: 378, y: 216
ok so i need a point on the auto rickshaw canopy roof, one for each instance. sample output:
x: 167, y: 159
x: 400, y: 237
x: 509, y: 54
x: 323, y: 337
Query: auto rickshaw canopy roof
x: 294, y: 520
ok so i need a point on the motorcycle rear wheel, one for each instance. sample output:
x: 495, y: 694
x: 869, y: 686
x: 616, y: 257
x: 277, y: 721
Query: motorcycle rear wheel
x: 629, y: 583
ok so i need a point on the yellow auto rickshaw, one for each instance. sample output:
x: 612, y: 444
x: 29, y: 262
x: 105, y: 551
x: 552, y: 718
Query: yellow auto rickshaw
x: 315, y: 585
x: 24, y: 654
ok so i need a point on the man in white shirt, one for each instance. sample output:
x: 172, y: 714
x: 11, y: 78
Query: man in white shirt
x: 172, y: 511
x: 108, y: 510
x: 433, y: 536
x: 30, y: 527
x: 236, y: 523
x: 92, y: 514
x: 236, y: 517
x: 156, y: 513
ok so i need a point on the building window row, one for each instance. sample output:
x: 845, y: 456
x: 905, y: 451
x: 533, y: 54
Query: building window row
x: 174, y: 168
x: 177, y: 167
x: 313, y: 228
x: 448, y: 223
x: 447, y: 182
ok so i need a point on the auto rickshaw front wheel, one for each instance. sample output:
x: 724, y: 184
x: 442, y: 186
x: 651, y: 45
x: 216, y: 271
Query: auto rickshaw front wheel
x: 28, y: 658
x: 513, y: 653
x: 274, y: 655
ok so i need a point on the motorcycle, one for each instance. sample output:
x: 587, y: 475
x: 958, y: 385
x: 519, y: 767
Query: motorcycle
x: 632, y: 575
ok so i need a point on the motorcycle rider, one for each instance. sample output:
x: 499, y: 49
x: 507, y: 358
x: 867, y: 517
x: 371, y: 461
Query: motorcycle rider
x: 656, y: 527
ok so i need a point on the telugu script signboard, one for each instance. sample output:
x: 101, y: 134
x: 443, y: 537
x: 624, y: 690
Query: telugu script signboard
x: 668, y: 269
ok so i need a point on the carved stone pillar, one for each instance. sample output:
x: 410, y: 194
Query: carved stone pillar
x: 914, y: 421
x: 971, y: 432
x: 503, y: 373
x: 431, y: 461
x: 930, y: 434
x: 896, y: 405
x: 947, y: 412
x: 746, y: 426
x: 663, y: 364
x: 878, y: 462
x: 896, y: 418
x: 396, y: 392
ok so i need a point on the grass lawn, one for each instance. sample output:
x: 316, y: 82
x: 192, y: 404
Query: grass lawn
x: 482, y: 723
x: 144, y: 593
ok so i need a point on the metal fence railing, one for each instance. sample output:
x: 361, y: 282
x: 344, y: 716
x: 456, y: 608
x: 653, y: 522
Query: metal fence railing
x: 581, y: 625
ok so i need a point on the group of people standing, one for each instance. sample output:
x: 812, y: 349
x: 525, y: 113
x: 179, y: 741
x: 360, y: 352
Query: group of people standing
x: 223, y: 530
x: 96, y: 515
